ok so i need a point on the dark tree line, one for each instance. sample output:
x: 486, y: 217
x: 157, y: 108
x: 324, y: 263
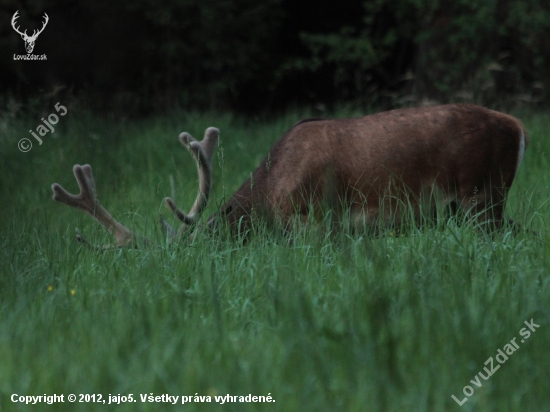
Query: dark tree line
x: 249, y: 55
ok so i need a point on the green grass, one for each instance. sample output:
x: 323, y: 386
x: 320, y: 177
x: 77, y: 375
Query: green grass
x: 323, y: 323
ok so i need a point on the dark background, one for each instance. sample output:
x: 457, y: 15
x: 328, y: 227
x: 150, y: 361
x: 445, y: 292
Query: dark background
x: 248, y: 56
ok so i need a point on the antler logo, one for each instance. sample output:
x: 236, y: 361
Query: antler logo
x: 29, y: 40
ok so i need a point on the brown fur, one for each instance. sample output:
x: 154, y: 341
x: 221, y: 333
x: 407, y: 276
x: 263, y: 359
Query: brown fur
x: 374, y: 166
x: 468, y: 152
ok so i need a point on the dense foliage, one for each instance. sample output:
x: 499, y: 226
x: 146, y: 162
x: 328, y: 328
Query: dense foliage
x: 249, y: 55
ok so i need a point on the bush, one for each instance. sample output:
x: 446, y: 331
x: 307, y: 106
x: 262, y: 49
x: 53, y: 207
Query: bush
x: 244, y: 55
x: 482, y: 50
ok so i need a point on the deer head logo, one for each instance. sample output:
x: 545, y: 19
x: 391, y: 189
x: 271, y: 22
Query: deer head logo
x: 29, y: 40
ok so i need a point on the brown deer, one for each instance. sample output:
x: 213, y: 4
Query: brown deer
x: 377, y: 166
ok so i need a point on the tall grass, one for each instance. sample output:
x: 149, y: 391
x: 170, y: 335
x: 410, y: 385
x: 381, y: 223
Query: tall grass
x: 322, y: 322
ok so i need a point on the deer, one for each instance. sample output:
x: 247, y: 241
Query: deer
x: 29, y: 40
x: 371, y: 168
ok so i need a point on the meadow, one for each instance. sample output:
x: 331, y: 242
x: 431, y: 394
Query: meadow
x: 324, y: 322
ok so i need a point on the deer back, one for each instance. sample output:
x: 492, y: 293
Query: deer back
x: 465, y: 151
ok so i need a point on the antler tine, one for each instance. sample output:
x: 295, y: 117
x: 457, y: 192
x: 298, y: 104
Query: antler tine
x: 209, y: 142
x: 87, y: 201
x: 37, y: 32
x: 13, y: 22
x: 202, y: 153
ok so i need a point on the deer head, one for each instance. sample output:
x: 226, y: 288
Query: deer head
x: 368, y: 166
x: 29, y: 40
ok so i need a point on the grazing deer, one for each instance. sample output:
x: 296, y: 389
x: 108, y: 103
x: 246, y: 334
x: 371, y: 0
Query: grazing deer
x: 370, y: 167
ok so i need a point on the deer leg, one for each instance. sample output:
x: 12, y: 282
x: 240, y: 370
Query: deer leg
x: 87, y: 201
